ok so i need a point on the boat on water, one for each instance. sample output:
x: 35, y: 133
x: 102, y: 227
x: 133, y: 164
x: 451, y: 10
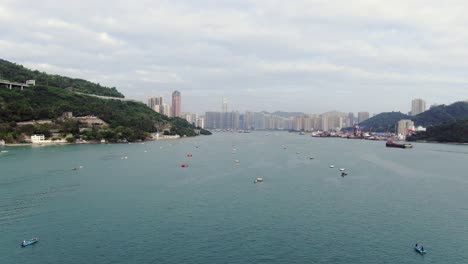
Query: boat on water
x: 420, y: 249
x: 259, y: 179
x: 393, y: 144
x: 342, y: 169
x: 332, y: 166
x: 32, y: 241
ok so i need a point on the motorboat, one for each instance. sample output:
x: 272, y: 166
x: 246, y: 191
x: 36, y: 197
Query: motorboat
x: 258, y: 180
x: 342, y: 169
x: 32, y: 241
x: 332, y: 166
x: 420, y: 249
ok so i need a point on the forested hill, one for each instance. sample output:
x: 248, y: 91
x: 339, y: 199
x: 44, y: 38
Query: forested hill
x: 384, y: 122
x: 442, y: 113
x: 456, y: 131
x: 17, y: 73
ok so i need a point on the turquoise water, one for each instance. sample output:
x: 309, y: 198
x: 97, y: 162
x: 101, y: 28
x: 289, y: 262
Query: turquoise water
x: 147, y: 209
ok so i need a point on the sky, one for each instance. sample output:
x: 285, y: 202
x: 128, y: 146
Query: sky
x: 310, y: 56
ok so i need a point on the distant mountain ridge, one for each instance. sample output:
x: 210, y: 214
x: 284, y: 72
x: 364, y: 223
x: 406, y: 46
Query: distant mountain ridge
x: 18, y: 73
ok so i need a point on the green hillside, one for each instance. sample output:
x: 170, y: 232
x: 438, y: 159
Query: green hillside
x: 384, y: 122
x: 127, y: 120
x: 442, y: 113
x: 17, y: 73
x: 456, y: 131
x: 133, y: 120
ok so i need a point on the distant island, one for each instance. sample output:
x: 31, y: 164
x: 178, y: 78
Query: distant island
x: 64, y: 109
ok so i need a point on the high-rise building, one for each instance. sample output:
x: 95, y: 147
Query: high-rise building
x: 350, y: 121
x: 224, y: 105
x: 176, y: 104
x: 405, y: 127
x: 418, y: 106
x: 155, y: 102
x: 363, y: 116
x: 200, y: 122
x: 165, y: 109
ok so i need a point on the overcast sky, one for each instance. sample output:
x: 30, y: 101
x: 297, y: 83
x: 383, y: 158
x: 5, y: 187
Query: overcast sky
x: 305, y: 55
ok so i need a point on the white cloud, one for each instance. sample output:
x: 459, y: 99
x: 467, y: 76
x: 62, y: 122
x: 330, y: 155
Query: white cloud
x: 245, y: 48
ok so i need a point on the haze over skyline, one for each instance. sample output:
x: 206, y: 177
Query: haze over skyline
x: 304, y: 56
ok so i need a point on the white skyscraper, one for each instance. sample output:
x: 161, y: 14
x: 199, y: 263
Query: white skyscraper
x: 155, y: 102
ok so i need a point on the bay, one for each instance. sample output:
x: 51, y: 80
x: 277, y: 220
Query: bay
x: 133, y: 203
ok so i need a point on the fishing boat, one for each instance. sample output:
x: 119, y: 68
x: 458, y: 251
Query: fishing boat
x: 393, y: 144
x: 420, y: 249
x: 32, y: 241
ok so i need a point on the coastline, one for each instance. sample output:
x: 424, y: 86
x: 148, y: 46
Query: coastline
x: 84, y: 142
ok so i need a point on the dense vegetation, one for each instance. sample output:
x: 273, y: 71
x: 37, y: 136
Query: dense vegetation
x: 384, y: 122
x: 442, y: 113
x: 455, y: 131
x: 17, y: 73
x: 127, y: 120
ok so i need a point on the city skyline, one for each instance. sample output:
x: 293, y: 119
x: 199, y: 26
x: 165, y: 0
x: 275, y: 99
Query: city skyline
x: 301, y: 56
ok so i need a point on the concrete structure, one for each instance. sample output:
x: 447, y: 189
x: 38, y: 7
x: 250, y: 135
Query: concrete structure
x: 31, y: 82
x: 11, y: 85
x: 418, y: 106
x: 363, y: 116
x: 405, y: 127
x: 92, y: 121
x: 176, y: 104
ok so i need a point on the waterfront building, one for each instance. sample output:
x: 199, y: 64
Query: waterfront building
x: 176, y: 104
x: 224, y: 105
x: 248, y: 120
x: 405, y: 127
x: 259, y: 121
x: 350, y: 121
x: 418, y: 106
x: 200, y: 122
x: 363, y: 116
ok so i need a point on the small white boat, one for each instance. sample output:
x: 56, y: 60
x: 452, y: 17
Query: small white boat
x: 4, y: 151
x: 258, y: 180
x: 237, y: 161
x: 332, y: 166
x: 342, y: 169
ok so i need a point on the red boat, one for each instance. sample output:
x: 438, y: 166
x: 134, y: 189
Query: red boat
x: 393, y: 144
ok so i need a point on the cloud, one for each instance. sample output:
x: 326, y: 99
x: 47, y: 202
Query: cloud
x: 296, y: 55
